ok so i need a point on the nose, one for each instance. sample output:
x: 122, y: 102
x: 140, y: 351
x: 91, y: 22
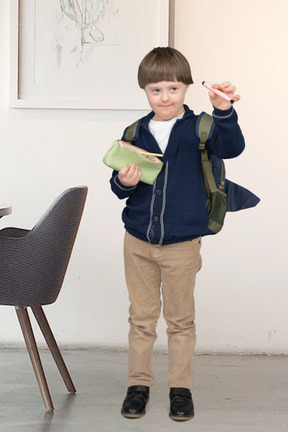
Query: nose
x: 165, y: 96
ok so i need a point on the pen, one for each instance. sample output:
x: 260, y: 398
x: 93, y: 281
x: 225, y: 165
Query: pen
x: 142, y: 152
x: 151, y: 154
x: 218, y: 92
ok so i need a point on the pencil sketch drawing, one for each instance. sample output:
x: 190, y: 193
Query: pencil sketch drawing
x: 74, y: 53
x: 84, y: 25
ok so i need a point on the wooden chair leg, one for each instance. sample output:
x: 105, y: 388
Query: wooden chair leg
x: 52, y: 344
x: 31, y: 345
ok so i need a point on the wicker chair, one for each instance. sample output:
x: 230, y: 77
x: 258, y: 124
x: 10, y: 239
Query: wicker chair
x: 33, y: 264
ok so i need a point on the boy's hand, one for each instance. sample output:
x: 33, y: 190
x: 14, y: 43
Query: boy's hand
x: 129, y: 175
x: 227, y: 88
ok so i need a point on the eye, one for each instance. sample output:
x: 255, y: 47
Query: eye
x: 173, y: 89
x: 156, y: 91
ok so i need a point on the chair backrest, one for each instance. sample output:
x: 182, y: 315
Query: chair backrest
x: 37, y: 262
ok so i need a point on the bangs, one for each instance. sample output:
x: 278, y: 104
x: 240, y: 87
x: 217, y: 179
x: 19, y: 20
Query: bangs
x: 158, y: 74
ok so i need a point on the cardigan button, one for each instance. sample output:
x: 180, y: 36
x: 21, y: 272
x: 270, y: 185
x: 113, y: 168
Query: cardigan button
x: 158, y: 191
x: 156, y: 218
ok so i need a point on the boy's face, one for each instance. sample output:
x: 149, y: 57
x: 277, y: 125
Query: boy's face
x: 166, y: 99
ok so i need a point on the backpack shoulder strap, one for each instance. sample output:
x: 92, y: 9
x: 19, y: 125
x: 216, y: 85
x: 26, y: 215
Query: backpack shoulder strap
x: 131, y: 131
x: 204, y: 129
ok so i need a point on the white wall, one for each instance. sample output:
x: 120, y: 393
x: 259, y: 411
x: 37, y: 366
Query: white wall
x: 242, y: 297
x: 241, y: 293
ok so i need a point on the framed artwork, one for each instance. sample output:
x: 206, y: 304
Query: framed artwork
x: 84, y: 54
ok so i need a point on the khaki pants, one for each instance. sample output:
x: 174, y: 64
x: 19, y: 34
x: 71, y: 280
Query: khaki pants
x: 147, y: 268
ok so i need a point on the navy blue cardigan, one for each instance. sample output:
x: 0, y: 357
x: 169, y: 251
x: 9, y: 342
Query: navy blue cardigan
x: 173, y: 209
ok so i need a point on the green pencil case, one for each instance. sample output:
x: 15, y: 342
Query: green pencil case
x: 122, y: 153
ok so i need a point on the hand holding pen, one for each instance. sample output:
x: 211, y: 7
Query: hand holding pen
x: 222, y: 95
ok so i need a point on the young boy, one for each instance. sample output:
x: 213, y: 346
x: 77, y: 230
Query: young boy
x: 165, y: 223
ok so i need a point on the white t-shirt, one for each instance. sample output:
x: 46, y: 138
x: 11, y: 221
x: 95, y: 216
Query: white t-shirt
x: 161, y: 130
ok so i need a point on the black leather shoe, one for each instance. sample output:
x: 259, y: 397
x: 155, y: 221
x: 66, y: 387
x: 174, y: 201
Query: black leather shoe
x: 135, y: 402
x: 181, y: 404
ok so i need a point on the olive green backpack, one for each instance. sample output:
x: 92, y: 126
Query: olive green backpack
x: 222, y: 194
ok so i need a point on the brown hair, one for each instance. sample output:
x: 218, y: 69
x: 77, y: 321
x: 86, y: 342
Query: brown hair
x: 164, y: 64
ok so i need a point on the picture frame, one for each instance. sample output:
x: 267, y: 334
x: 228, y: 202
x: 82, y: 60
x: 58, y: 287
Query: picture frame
x: 65, y: 57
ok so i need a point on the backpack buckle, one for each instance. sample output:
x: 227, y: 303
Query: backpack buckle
x: 202, y: 146
x: 203, y: 139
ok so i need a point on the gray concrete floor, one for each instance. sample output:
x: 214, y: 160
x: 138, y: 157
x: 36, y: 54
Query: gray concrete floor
x: 231, y: 393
